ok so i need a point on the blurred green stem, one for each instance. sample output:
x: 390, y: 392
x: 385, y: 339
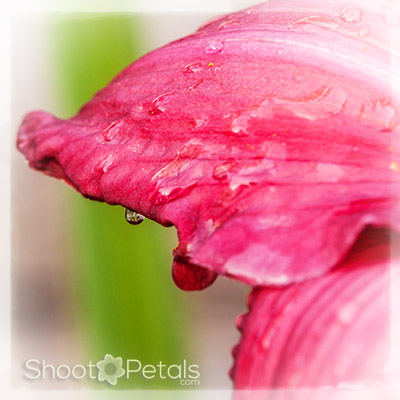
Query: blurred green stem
x: 124, y: 295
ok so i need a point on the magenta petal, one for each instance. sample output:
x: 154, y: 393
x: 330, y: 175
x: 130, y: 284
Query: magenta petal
x: 328, y: 331
x: 191, y: 277
x: 269, y: 138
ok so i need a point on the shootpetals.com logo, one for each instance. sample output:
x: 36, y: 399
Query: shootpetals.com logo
x: 110, y: 369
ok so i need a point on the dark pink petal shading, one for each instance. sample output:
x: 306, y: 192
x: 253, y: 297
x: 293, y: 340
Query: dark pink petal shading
x: 191, y: 277
x: 328, y: 331
x: 269, y: 138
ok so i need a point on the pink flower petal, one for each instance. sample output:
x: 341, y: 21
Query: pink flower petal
x: 269, y: 138
x: 329, y: 331
x: 191, y: 277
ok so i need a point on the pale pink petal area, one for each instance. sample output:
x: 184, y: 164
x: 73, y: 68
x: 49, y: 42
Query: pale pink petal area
x: 269, y: 139
x: 328, y: 331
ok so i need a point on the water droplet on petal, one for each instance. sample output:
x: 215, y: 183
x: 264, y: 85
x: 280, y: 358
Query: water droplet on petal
x: 222, y: 170
x: 379, y: 111
x: 111, y: 131
x: 137, y: 108
x: 240, y: 123
x: 196, y: 84
x: 214, y: 47
x: 363, y: 32
x: 351, y: 14
x: 133, y: 217
x: 228, y: 23
x: 197, y: 122
x: 106, y: 163
x: 160, y: 103
x: 192, y: 68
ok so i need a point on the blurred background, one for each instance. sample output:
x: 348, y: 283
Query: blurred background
x: 84, y: 282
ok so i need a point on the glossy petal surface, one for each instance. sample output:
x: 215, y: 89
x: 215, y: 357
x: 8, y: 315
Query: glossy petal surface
x: 269, y: 138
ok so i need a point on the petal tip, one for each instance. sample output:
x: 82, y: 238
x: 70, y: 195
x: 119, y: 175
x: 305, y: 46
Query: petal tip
x: 32, y: 123
x: 191, y: 277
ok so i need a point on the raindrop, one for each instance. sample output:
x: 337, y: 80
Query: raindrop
x: 199, y: 122
x: 133, y: 217
x: 110, y: 132
x: 107, y: 163
x: 196, y: 84
x: 221, y: 171
x: 214, y: 47
x: 363, y: 32
x: 227, y: 23
x: 160, y: 103
x: 240, y: 124
x: 351, y: 15
x: 192, y: 68
x: 137, y: 108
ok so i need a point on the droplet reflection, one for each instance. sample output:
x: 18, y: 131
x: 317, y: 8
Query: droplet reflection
x: 133, y: 217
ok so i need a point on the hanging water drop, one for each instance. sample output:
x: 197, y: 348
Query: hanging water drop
x: 133, y: 217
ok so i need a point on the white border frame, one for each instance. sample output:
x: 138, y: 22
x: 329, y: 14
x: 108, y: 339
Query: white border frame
x: 7, y: 10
